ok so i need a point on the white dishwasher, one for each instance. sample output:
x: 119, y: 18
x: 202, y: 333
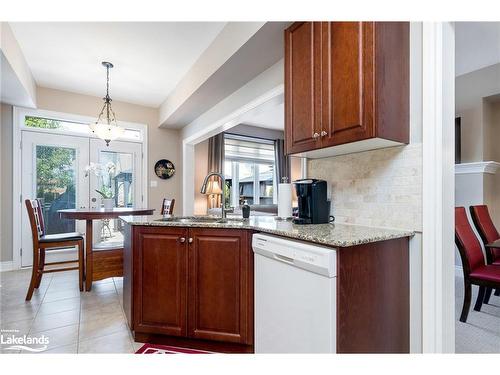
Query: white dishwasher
x: 295, y: 296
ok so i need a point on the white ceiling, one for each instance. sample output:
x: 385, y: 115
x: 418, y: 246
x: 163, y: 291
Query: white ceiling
x: 150, y: 58
x: 477, y: 45
x: 270, y: 118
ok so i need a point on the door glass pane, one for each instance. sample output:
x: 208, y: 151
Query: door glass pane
x: 117, y: 179
x: 56, y: 185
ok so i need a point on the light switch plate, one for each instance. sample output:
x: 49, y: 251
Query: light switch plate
x: 153, y: 183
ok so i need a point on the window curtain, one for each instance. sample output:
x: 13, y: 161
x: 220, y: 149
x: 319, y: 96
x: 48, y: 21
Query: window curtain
x: 215, y: 164
x: 281, y: 161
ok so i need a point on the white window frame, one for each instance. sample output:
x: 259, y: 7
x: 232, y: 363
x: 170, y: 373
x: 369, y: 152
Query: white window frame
x: 256, y: 163
x: 19, y: 114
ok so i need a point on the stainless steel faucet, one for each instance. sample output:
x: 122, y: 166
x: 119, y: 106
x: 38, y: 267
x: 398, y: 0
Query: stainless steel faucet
x: 223, y: 183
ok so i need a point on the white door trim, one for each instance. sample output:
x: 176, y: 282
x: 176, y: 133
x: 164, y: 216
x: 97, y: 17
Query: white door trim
x: 18, y: 114
x: 438, y: 269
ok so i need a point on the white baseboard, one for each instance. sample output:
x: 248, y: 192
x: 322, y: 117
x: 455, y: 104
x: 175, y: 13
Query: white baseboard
x: 6, y: 266
x: 459, y: 271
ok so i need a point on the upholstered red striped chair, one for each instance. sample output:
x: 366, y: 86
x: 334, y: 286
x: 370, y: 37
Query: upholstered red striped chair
x: 476, y: 272
x: 488, y: 233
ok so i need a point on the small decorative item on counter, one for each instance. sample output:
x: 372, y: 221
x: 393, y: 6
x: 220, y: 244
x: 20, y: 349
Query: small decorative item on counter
x: 245, y: 209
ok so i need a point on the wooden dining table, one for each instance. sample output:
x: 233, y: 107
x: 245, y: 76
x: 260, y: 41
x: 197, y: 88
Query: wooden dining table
x: 494, y: 244
x: 489, y: 255
x: 89, y: 215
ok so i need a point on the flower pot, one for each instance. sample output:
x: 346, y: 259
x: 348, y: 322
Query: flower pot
x: 108, y: 203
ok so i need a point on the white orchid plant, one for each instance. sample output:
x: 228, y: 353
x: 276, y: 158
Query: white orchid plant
x: 99, y: 171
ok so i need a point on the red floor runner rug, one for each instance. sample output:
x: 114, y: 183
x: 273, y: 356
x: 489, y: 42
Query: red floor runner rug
x: 163, y: 349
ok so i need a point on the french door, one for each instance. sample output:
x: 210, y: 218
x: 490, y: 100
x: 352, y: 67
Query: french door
x: 121, y: 174
x: 54, y: 171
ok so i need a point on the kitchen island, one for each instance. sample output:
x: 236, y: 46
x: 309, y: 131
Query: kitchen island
x: 189, y: 281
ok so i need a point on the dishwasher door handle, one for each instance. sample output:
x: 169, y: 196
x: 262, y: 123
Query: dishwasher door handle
x: 283, y: 258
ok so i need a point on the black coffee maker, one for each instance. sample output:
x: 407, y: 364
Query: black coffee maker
x: 314, y: 207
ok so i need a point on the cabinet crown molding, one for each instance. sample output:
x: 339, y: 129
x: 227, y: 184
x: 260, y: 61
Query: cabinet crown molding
x: 490, y: 167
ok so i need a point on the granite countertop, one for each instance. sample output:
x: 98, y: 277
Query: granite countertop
x: 336, y: 235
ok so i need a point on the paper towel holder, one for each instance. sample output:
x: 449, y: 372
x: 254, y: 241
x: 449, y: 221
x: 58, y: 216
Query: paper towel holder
x: 284, y: 180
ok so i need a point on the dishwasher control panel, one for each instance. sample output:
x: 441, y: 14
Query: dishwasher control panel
x: 315, y: 258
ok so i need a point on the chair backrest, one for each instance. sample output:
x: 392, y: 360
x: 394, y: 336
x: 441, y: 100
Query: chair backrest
x: 484, y: 225
x: 167, y: 207
x: 467, y: 242
x: 35, y: 215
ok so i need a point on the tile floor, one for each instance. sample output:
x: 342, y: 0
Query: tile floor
x: 74, y: 322
x: 95, y: 322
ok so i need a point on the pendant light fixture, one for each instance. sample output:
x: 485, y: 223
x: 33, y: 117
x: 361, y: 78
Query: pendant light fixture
x: 106, y: 126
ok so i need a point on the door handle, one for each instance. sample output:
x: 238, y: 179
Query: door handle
x: 182, y: 239
x: 315, y: 135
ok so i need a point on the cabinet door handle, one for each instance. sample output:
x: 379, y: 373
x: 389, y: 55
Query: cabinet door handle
x: 182, y: 239
x: 323, y: 133
x: 315, y: 135
x: 190, y: 240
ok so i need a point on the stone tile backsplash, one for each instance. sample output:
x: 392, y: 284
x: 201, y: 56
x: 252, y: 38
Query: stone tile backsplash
x: 376, y: 188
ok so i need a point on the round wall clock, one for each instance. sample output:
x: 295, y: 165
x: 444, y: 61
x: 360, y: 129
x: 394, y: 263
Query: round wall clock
x: 164, y: 169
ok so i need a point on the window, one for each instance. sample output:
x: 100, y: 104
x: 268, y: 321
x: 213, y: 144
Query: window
x: 249, y: 170
x: 77, y: 128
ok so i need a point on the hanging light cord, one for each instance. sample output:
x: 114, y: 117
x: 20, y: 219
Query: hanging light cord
x: 107, y: 103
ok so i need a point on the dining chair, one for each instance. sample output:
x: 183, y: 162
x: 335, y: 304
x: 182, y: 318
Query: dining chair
x: 476, y: 272
x: 43, y: 243
x: 488, y: 233
x: 167, y: 207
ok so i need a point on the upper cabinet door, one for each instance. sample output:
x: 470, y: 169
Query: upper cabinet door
x: 347, y: 82
x: 302, y: 86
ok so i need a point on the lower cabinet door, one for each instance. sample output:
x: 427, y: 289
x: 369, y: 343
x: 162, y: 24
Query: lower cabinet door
x: 220, y: 286
x: 160, y: 303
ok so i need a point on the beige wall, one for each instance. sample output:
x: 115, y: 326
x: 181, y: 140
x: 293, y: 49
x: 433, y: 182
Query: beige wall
x: 478, y: 105
x: 472, y: 100
x: 6, y: 183
x: 200, y: 171
x: 491, y: 125
x: 162, y: 143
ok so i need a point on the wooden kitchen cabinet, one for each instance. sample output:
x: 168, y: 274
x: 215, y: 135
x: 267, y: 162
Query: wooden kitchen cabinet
x: 346, y: 87
x: 220, y: 285
x: 160, y: 288
x: 302, y: 86
x: 190, y: 283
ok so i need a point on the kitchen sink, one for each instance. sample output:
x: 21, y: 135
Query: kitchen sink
x: 200, y: 219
